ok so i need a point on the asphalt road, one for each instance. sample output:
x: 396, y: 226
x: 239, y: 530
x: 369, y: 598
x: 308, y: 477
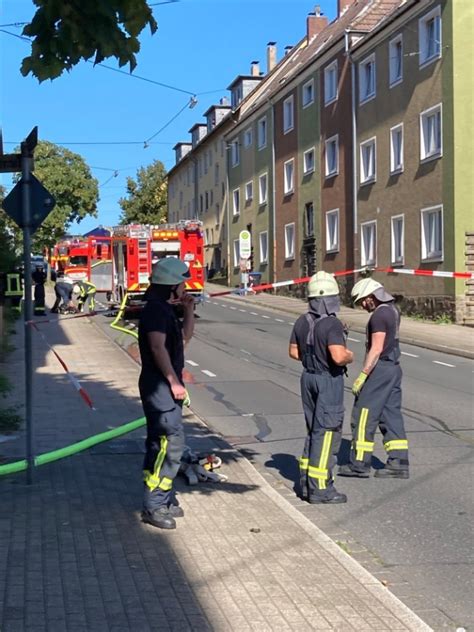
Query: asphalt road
x: 415, y: 535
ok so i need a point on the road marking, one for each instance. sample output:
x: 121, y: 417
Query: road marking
x: 353, y: 339
x: 279, y: 320
x: 263, y: 316
x: 192, y: 363
x: 254, y: 313
x: 209, y: 373
x: 245, y: 351
x: 290, y: 323
x: 411, y: 355
x: 234, y: 308
x: 453, y: 366
x: 242, y: 310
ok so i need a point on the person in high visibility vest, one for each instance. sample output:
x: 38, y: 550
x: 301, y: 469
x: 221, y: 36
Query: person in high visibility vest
x: 377, y: 389
x: 39, y: 277
x: 14, y: 289
x: 87, y: 292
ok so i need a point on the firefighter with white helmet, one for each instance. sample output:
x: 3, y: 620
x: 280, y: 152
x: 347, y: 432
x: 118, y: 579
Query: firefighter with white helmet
x: 161, y: 338
x: 377, y: 389
x: 318, y: 341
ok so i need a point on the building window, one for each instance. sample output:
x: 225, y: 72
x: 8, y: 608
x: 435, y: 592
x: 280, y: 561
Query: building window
x: 236, y: 202
x: 308, y: 219
x: 367, y: 161
x: 368, y: 245
x: 248, y: 137
x: 288, y: 115
x: 430, y: 133
x: 367, y: 79
x: 429, y: 36
x: 330, y: 83
x: 332, y: 156
x: 308, y: 161
x: 396, y: 149
x: 288, y: 177
x: 262, y: 133
x: 216, y: 174
x: 307, y: 93
x: 236, y: 253
x: 262, y: 189
x: 217, y: 214
x: 432, y: 233
x: 263, y: 239
x: 289, y: 241
x: 398, y: 239
x: 234, y: 153
x: 249, y: 191
x: 332, y: 231
x: 395, y: 60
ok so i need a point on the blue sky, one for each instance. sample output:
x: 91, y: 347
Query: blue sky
x: 105, y: 116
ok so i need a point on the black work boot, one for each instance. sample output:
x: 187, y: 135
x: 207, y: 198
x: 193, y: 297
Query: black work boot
x: 393, y: 469
x: 331, y: 498
x: 175, y: 510
x: 160, y: 518
x: 348, y: 470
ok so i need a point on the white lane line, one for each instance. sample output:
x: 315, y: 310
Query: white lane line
x: 242, y: 310
x: 290, y: 323
x: 254, y: 313
x: 452, y: 366
x: 263, y: 316
x: 192, y: 363
x: 353, y: 339
x: 209, y: 373
x: 411, y: 355
x: 245, y: 351
x: 279, y: 320
x: 234, y: 308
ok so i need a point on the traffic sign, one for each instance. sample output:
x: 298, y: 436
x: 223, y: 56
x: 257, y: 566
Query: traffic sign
x: 245, y: 244
x: 42, y: 203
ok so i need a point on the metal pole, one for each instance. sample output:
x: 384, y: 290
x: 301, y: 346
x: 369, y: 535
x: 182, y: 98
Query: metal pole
x: 26, y: 158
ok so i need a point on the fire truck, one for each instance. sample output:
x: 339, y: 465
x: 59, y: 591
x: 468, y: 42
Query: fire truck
x: 136, y: 247
x: 85, y: 259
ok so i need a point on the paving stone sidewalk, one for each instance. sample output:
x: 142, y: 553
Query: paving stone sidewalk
x: 74, y: 555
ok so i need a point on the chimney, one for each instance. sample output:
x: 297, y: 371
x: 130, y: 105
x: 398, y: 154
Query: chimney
x: 342, y: 6
x: 271, y: 56
x: 255, y: 69
x: 315, y: 23
x: 287, y: 49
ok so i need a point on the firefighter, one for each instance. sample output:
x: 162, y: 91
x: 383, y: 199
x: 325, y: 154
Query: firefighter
x: 14, y: 288
x: 161, y: 339
x: 39, y: 277
x: 87, y: 292
x: 318, y: 341
x: 377, y: 389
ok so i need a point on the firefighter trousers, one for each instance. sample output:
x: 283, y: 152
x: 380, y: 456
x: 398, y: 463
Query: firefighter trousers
x: 87, y: 298
x: 164, y: 448
x: 323, y: 403
x: 39, y: 297
x: 379, y: 404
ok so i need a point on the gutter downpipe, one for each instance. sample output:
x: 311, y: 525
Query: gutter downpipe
x: 272, y: 127
x: 354, y: 141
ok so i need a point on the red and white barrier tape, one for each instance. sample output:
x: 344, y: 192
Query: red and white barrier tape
x: 434, y: 273
x: 74, y: 380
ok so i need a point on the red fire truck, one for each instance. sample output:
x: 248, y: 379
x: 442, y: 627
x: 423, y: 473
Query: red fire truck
x: 135, y: 247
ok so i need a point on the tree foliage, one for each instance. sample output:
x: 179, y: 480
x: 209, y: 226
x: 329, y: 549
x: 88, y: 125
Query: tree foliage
x: 8, y: 250
x: 147, y: 196
x: 65, y: 32
x: 68, y: 178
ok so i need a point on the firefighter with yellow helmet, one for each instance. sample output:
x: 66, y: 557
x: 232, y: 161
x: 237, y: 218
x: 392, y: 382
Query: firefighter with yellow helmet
x: 318, y: 341
x: 377, y: 389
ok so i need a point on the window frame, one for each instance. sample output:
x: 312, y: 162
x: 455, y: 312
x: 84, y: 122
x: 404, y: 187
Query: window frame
x: 332, y: 139
x: 263, y: 232
x: 394, y: 81
x: 236, y: 253
x: 307, y: 171
x: 370, y: 59
x: 306, y: 223
x: 333, y: 247
x: 259, y: 127
x: 249, y: 198
x: 305, y: 104
x: 288, y: 121
x: 287, y: 189
x: 363, y: 260
x: 290, y: 256
x: 234, y: 153
x: 400, y: 168
x: 248, y: 133
x: 372, y: 178
x: 424, y: 156
x: 327, y: 70
x: 261, y: 201
x: 393, y: 260
x: 424, y: 60
x: 234, y: 205
x: 437, y: 256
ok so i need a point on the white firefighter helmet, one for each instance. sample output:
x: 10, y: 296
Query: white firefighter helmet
x: 322, y: 284
x: 169, y: 271
x: 364, y: 288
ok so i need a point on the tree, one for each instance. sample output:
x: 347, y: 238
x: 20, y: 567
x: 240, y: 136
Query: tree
x: 8, y: 251
x: 65, y: 32
x: 68, y: 178
x: 147, y: 197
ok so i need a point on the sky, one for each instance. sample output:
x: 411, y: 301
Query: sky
x: 200, y: 47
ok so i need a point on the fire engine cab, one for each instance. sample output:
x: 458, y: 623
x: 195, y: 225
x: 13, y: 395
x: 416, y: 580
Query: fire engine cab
x: 85, y: 259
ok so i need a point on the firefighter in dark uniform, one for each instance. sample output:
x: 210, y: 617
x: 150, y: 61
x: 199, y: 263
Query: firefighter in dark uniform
x: 87, y: 292
x: 318, y: 341
x: 161, y: 338
x: 377, y: 389
x: 39, y: 277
